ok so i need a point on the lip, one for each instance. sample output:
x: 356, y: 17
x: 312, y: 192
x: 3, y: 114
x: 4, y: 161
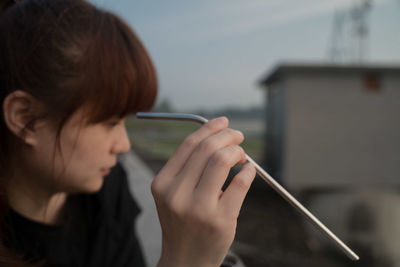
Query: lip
x: 105, y: 171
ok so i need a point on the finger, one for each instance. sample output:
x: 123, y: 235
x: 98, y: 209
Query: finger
x: 185, y: 149
x: 217, y: 170
x: 232, y: 199
x: 196, y: 164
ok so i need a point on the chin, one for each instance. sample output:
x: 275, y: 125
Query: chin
x: 95, y: 187
x: 92, y: 186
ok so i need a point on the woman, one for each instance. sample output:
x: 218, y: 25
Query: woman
x: 70, y: 73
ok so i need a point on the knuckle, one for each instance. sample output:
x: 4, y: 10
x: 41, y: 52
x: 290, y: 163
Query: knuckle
x: 232, y: 216
x: 252, y: 170
x: 217, y: 226
x: 221, y: 158
x: 204, y: 220
x: 199, y: 213
x: 155, y: 187
x: 174, y: 204
x: 236, y: 149
x: 190, y: 141
x: 237, y: 152
x: 240, y: 151
x: 238, y: 135
x: 230, y: 131
x: 241, y: 183
x: 212, y: 125
x: 209, y: 125
x: 217, y: 123
x: 208, y: 145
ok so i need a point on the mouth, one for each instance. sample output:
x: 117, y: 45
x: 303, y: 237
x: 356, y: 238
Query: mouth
x: 105, y: 171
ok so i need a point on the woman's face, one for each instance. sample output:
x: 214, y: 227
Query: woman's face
x: 87, y: 154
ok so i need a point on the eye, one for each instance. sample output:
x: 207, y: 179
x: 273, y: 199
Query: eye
x: 112, y: 123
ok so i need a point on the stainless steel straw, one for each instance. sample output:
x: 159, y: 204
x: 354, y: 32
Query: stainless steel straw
x: 263, y: 174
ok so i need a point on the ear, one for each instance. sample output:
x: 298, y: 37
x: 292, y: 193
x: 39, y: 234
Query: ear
x: 20, y: 108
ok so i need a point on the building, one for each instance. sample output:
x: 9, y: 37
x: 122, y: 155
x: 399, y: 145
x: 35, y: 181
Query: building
x: 333, y: 126
x: 333, y: 135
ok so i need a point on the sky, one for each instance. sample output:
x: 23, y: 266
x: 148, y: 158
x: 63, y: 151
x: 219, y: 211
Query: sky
x: 212, y: 54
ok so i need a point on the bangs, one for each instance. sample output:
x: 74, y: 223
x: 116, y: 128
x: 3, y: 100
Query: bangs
x: 117, y: 75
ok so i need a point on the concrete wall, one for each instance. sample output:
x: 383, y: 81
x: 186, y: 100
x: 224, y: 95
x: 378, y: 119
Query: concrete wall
x: 366, y: 219
x: 338, y: 134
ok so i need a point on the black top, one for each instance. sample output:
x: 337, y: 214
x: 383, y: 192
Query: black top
x: 98, y: 230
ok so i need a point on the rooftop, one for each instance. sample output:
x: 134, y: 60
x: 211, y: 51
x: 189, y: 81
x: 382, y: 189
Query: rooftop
x: 305, y: 68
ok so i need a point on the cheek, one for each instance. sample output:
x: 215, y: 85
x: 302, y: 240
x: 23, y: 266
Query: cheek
x: 84, y: 161
x: 79, y: 150
x: 81, y: 160
x: 81, y: 174
x: 77, y: 166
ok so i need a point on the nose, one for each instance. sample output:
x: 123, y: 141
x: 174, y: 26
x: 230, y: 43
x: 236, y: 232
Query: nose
x: 122, y: 143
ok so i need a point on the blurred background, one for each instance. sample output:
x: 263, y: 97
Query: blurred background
x: 315, y: 87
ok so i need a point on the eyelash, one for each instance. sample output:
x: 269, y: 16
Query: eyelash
x: 112, y: 124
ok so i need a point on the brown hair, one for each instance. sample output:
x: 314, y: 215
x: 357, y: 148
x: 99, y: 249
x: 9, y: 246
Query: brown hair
x: 69, y: 55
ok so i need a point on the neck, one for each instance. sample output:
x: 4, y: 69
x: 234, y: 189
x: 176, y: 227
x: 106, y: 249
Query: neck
x: 34, y: 201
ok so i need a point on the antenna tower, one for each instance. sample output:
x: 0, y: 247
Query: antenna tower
x: 349, y: 39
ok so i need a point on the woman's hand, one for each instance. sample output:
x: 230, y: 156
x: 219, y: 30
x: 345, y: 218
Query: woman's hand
x: 198, y: 220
